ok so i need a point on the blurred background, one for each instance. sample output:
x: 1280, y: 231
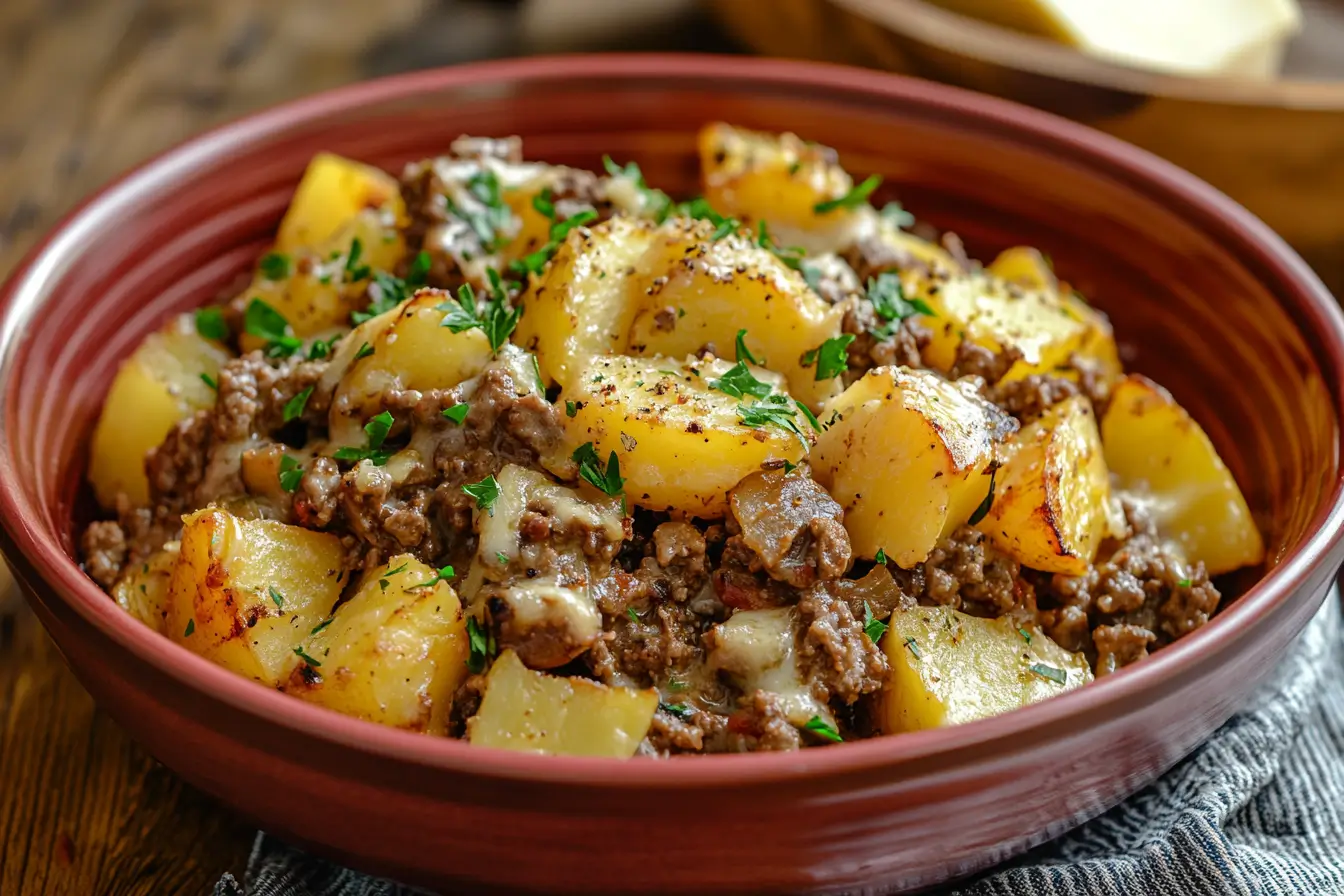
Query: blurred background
x: 1247, y: 93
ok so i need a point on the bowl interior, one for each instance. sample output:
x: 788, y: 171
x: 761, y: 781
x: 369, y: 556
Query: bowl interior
x: 1203, y: 298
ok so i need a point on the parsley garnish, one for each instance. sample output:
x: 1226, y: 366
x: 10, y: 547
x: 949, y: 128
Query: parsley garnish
x: 831, y: 357
x: 319, y: 349
x: 810, y: 417
x: 888, y: 297
x: 493, y: 218
x: 264, y: 322
x: 277, y: 597
x: 856, y: 196
x: 819, y: 726
x: 913, y: 648
x: 1050, y: 673
x: 209, y: 381
x: 536, y: 261
x: 881, y: 558
x: 353, y: 269
x: 658, y: 203
x: 291, y: 472
x: 275, y: 266
x: 983, y: 509
x: 294, y: 407
x: 1184, y: 583
x: 418, y: 272
x: 895, y: 214
x: 773, y: 409
x: 743, y: 353
x: 481, y: 643
x: 608, y: 481
x: 1026, y: 635
x: 485, y: 492
x: 792, y: 256
x: 210, y: 323
x: 378, y: 428
x: 298, y: 651
x: 495, y: 318
x: 191, y: 628
x: 812, y: 274
x: 457, y: 413
x: 374, y: 452
x: 630, y: 611
x: 323, y: 624
x: 502, y: 557
x: 571, y: 408
x: 680, y: 710
x: 444, y: 574
x: 364, y: 351
x: 739, y: 382
x: 873, y: 627
x: 544, y: 204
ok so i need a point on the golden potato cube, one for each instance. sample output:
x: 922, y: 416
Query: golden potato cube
x: 681, y: 444
x: 156, y: 388
x: 393, y: 654
x: 1161, y: 455
x: 948, y: 668
x: 411, y: 349
x: 533, y: 712
x: 582, y: 305
x: 695, y: 291
x: 334, y: 190
x: 903, y: 244
x: 907, y: 454
x: 245, y: 593
x: 779, y: 179
x: 142, y: 589
x: 1052, y: 505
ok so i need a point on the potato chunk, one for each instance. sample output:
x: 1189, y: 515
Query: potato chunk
x: 779, y: 179
x: 948, y: 668
x: 696, y: 291
x: 142, y: 590
x: 681, y: 444
x: 411, y: 349
x: 157, y: 387
x: 1052, y: 505
x: 1161, y: 455
x: 582, y: 305
x: 907, y: 454
x: 538, y: 713
x: 333, y: 191
x: 393, y: 654
x: 246, y: 593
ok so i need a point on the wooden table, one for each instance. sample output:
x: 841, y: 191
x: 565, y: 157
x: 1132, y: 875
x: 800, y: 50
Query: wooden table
x: 92, y: 87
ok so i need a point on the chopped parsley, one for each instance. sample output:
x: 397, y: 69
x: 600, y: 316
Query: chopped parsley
x: 209, y: 381
x: 388, y: 291
x: 294, y: 407
x: 210, y: 323
x: 777, y: 410
x: 265, y: 323
x: 545, y: 204
x: 873, y: 627
x: 319, y: 349
x: 857, y: 196
x: 493, y: 217
x: 323, y: 624
x: 374, y: 452
x: 277, y: 597
x: 291, y: 472
x: 811, y: 418
x: 378, y: 428
x: 819, y: 726
x: 535, y: 262
x: 1050, y: 673
x: 571, y: 408
x: 983, y: 510
x: 502, y: 557
x: 275, y: 266
x: 895, y: 214
x: 191, y: 628
x: 418, y: 272
x: 792, y: 256
x: 486, y: 492
x: 298, y: 651
x: 887, y: 295
x: 481, y: 643
x: 495, y: 318
x: 353, y: 269
x: 364, y: 351
x: 831, y: 357
x: 744, y: 353
x: 443, y: 574
x: 913, y: 648
x: 1184, y: 583
x: 1026, y: 635
x: 881, y: 558
x: 457, y: 413
x: 701, y: 209
x: 607, y: 481
x: 740, y: 382
x: 657, y: 203
x: 630, y: 611
x: 812, y: 274
x: 680, y: 710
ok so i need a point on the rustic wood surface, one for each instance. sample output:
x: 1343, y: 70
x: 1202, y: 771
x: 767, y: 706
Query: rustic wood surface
x: 92, y: 87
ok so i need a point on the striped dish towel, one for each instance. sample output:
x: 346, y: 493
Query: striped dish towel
x: 1258, y: 810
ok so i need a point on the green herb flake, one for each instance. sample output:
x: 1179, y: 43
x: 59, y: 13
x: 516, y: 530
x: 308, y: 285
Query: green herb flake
x: 1050, y: 673
x: 983, y: 510
x: 264, y: 322
x: 895, y: 214
x: 319, y: 349
x: 481, y: 644
x: 210, y: 323
x: 444, y: 574
x: 676, y: 684
x: 277, y: 597
x: 457, y: 413
x: 812, y: 274
x: 210, y: 381
x: 607, y: 481
x: 502, y: 557
x: 820, y: 727
x: 378, y: 428
x: 831, y: 357
x: 739, y: 382
x: 1184, y: 583
x: 792, y: 256
x: 913, y: 648
x: 294, y: 407
x: 1026, y: 635
x: 544, y: 203
x: 744, y: 353
x: 486, y: 492
x: 495, y: 318
x: 353, y: 269
x: 298, y: 651
x: 680, y: 710
x: 275, y: 266
x: 571, y: 408
x: 291, y: 473
x: 873, y: 627
x: 191, y: 628
x: 323, y: 624
x: 810, y: 417
x: 887, y: 295
x: 857, y: 196
x: 630, y: 611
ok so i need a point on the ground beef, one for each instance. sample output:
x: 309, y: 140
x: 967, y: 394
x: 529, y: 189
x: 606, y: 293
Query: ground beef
x: 966, y: 573
x: 466, y: 703
x: 104, y: 548
x: 1119, y: 645
x: 793, y: 526
x: 837, y: 658
x: 1029, y: 397
x: 976, y: 360
x: 761, y: 724
x: 902, y: 348
x: 689, y: 730
x: 876, y: 593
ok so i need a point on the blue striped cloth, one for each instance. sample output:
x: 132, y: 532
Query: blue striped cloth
x: 1258, y: 809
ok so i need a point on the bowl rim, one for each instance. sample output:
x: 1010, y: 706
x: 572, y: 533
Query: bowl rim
x: 39, y: 553
x: 969, y: 37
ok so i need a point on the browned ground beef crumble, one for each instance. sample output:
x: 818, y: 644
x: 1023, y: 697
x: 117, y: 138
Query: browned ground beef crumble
x: 671, y: 579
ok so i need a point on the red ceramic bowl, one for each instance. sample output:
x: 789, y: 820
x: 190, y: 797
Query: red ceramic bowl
x: 1209, y: 301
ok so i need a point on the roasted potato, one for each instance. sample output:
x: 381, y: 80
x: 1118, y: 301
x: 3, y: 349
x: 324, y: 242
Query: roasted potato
x: 782, y: 180
x: 695, y: 290
x: 158, y: 386
x: 1052, y: 504
x: 538, y: 713
x: 246, y: 593
x: 142, y: 589
x: 948, y: 668
x: 681, y: 444
x: 394, y: 653
x: 1159, y: 454
x: 581, y: 306
x: 907, y: 454
x: 331, y: 193
x: 757, y: 650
